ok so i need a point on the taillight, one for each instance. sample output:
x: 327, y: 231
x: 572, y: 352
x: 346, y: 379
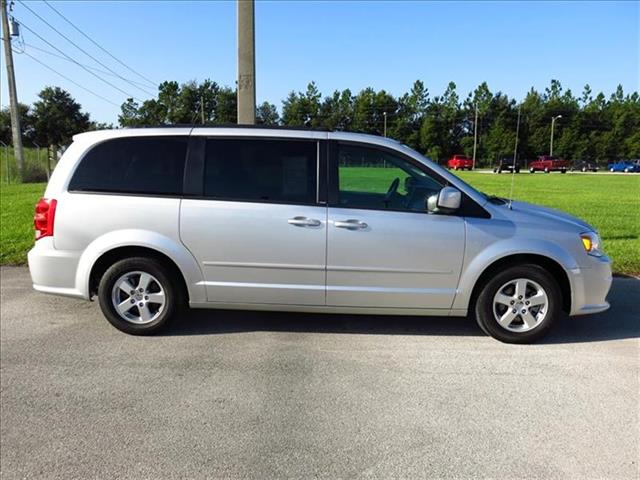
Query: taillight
x: 44, y: 216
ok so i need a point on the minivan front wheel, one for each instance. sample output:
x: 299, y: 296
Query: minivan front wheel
x: 137, y: 296
x: 519, y: 305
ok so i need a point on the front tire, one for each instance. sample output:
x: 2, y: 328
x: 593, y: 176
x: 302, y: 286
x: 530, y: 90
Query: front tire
x: 138, y: 296
x: 519, y: 304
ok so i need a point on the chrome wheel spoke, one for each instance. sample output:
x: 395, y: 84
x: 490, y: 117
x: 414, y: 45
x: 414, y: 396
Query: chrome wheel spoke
x: 125, y: 305
x: 508, y: 317
x: 144, y: 281
x: 521, y: 288
x: 126, y: 286
x: 540, y: 298
x: 503, y: 299
x: 528, y: 319
x: 145, y: 313
x: 156, y: 298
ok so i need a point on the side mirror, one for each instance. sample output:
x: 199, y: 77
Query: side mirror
x: 447, y: 200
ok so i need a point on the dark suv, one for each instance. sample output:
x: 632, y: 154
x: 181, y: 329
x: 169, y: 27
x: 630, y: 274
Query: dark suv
x: 506, y: 164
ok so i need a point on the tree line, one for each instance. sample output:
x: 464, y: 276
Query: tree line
x: 592, y: 126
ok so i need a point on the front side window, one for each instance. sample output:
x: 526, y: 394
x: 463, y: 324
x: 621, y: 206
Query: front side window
x: 140, y: 165
x: 374, y: 179
x: 283, y: 171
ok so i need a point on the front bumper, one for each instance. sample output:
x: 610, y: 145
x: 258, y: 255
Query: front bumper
x: 590, y: 286
x: 53, y: 271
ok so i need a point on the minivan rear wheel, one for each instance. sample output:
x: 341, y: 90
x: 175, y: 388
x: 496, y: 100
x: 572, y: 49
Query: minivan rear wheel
x: 519, y: 304
x: 137, y: 296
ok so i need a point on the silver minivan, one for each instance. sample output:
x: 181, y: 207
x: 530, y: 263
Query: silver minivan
x: 152, y: 220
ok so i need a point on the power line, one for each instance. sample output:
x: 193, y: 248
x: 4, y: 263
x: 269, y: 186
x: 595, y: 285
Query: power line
x: 78, y: 63
x: 48, y: 52
x: 67, y: 78
x: 83, y: 50
x: 154, y: 84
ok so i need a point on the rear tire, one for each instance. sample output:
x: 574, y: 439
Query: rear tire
x: 546, y: 170
x: 519, y: 322
x: 139, y: 296
x: 531, y: 170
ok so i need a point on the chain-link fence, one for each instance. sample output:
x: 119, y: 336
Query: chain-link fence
x: 37, y: 165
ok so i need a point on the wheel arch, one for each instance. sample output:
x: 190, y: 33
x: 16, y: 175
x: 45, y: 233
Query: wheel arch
x: 114, y: 255
x: 548, y: 263
x: 113, y: 246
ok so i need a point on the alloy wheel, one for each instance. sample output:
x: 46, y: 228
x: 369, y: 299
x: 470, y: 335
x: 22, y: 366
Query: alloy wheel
x: 138, y: 297
x: 520, y: 305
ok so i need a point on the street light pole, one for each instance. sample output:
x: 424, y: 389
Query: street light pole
x: 475, y: 137
x: 553, y: 123
x: 384, y: 114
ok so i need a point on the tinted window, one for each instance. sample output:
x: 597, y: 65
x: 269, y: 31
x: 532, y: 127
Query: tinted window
x: 153, y: 165
x: 267, y: 170
x: 372, y: 178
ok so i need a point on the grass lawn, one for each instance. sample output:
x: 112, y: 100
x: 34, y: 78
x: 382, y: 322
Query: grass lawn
x: 17, y: 203
x: 611, y: 203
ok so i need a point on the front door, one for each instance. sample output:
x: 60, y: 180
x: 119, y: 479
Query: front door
x: 383, y: 248
x: 259, y: 232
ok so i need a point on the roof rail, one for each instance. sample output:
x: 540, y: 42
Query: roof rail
x: 231, y: 125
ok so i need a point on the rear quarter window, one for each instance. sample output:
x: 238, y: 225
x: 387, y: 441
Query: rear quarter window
x: 141, y: 165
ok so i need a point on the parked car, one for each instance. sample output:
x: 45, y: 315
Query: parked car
x: 460, y: 162
x: 584, y: 166
x: 626, y: 166
x: 547, y: 163
x: 506, y: 164
x: 152, y: 220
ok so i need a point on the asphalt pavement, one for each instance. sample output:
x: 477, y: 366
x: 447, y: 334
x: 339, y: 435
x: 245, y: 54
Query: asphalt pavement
x: 273, y: 395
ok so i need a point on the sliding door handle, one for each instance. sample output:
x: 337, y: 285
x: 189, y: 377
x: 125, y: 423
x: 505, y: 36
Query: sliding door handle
x: 351, y: 224
x: 304, y: 222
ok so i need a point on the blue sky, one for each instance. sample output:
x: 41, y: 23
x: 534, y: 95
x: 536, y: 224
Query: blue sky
x: 511, y: 45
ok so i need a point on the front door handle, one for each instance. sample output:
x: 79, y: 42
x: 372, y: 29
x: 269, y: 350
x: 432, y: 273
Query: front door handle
x: 304, y: 222
x: 351, y: 224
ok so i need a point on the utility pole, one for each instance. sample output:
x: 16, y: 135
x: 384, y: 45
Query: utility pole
x: 246, y: 63
x: 202, y: 108
x: 553, y: 124
x: 475, y: 138
x: 13, y: 95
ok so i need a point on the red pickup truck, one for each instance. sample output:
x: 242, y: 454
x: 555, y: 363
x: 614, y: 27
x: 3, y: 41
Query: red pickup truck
x: 460, y: 162
x: 547, y: 163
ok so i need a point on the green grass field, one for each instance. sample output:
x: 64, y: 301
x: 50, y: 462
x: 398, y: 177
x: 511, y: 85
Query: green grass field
x: 609, y: 202
x: 17, y: 203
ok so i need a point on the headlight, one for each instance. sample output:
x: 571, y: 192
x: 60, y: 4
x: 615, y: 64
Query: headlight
x: 591, y: 243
